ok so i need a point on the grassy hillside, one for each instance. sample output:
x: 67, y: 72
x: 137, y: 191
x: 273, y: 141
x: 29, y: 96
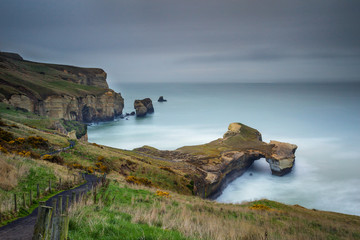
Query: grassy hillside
x: 40, y: 80
x: 148, y: 197
x: 129, y: 212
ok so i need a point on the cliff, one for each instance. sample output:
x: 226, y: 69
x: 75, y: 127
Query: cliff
x: 213, y: 165
x: 58, y: 91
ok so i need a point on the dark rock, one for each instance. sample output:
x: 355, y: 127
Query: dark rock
x: 161, y: 99
x: 142, y: 107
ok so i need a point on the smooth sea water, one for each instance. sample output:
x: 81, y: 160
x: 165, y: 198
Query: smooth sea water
x: 322, y: 119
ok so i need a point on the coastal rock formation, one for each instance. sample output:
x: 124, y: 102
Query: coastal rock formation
x: 142, y: 107
x: 58, y: 91
x: 282, y: 157
x: 161, y: 99
x: 213, y: 165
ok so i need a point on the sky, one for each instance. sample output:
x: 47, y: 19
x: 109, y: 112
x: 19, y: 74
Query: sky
x: 190, y: 40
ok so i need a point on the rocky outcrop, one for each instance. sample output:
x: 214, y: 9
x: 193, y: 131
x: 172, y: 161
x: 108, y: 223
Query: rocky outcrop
x: 213, y: 165
x: 11, y: 55
x: 282, y: 157
x: 58, y: 91
x: 142, y: 107
x: 161, y: 99
x: 89, y: 108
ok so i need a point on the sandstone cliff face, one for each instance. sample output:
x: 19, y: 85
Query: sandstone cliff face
x: 58, y: 91
x: 282, y: 157
x: 89, y: 108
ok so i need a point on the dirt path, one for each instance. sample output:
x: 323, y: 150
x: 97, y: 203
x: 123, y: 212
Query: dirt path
x: 22, y: 228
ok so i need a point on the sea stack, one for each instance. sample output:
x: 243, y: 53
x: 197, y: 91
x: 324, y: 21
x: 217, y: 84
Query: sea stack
x: 282, y: 157
x: 142, y: 107
x: 161, y: 99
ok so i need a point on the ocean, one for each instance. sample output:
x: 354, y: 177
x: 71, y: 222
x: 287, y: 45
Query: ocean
x: 323, y: 119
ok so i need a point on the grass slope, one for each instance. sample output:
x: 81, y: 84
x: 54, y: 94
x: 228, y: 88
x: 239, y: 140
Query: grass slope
x: 130, y: 211
x: 41, y: 80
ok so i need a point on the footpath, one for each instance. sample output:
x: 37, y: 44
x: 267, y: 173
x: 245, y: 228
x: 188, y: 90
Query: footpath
x: 23, y: 228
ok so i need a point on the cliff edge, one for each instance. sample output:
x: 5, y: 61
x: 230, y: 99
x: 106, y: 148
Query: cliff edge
x: 58, y: 91
x: 213, y: 165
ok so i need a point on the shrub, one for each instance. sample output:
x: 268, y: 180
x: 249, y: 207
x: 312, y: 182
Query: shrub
x: 19, y: 140
x: 138, y: 180
x: 90, y: 169
x: 37, y: 142
x: 162, y: 194
x: 5, y: 135
x: 96, y: 145
x: 47, y: 157
x: 76, y: 166
x: 260, y: 207
x: 53, y: 158
x: 3, y: 150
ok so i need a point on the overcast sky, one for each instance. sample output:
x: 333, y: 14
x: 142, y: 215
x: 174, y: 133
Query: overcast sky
x: 190, y: 40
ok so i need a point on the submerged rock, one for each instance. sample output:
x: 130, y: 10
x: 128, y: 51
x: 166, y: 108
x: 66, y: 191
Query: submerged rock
x: 142, y: 107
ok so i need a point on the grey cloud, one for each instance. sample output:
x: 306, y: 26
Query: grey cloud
x: 121, y: 35
x: 266, y: 57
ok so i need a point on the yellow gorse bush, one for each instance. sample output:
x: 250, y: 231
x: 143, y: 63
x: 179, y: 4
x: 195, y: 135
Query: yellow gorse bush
x: 162, y: 193
x: 260, y: 207
x: 138, y: 180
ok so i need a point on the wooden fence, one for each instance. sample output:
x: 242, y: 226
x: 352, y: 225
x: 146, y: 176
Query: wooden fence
x: 53, y: 222
x: 26, y: 199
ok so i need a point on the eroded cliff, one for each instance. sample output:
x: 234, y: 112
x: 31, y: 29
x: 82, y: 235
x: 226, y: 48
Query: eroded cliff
x: 58, y: 91
x: 213, y: 165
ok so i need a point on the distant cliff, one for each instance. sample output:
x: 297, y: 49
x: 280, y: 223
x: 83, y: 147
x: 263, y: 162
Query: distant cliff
x: 58, y: 91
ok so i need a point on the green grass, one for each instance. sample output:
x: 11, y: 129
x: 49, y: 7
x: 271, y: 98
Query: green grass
x: 34, y: 174
x: 43, y: 80
x: 129, y: 213
x: 107, y: 222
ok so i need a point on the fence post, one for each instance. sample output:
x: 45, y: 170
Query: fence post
x: 24, y: 200
x: 41, y: 203
x: 55, y: 228
x: 60, y: 204
x: 54, y: 203
x: 31, y: 199
x: 95, y: 195
x: 67, y: 203
x: 60, y: 183
x: 15, y: 203
x: 73, y: 200
x: 42, y: 226
x: 38, y: 191
x: 64, y: 221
